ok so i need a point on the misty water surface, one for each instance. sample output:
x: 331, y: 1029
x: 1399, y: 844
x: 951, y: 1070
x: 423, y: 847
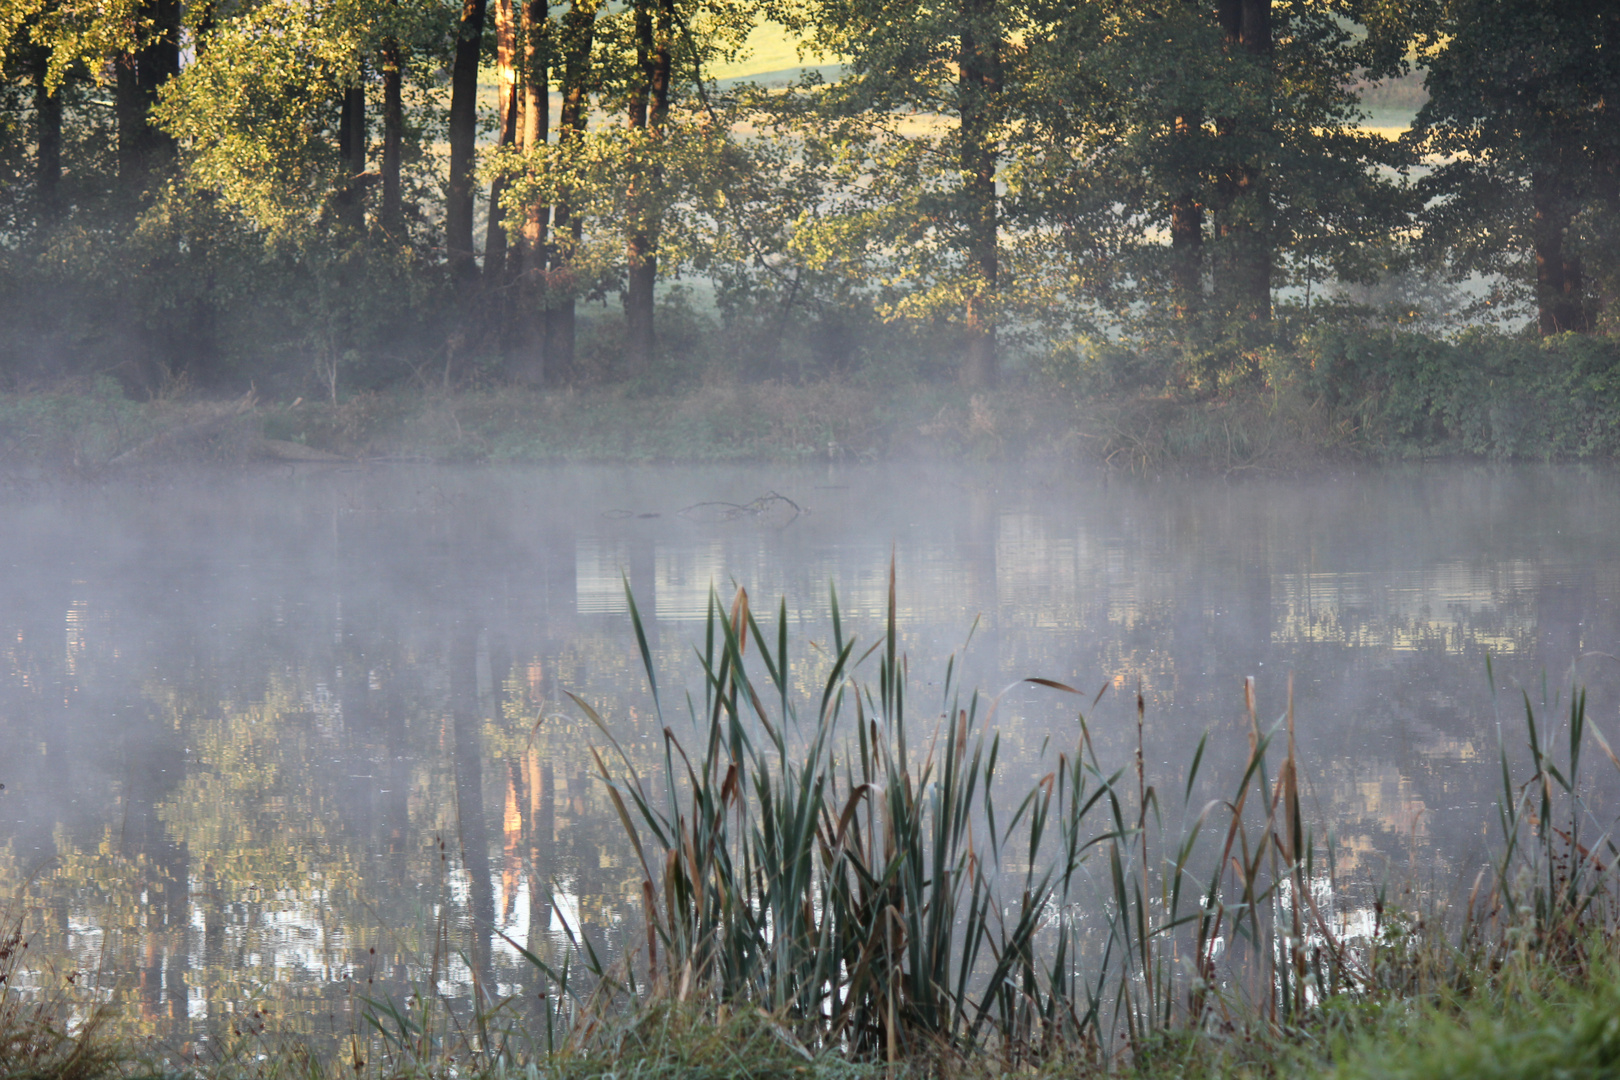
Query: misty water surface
x: 261, y: 732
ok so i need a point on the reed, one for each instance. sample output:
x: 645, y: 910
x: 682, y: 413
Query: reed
x: 871, y: 893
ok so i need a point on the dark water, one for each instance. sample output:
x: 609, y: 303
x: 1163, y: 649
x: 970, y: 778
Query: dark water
x: 266, y: 738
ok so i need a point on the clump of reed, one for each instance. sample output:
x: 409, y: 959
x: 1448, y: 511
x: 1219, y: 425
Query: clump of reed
x: 46, y: 1029
x: 876, y: 896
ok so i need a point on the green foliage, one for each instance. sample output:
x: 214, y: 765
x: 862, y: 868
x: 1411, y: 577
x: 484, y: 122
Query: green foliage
x: 1545, y: 1028
x: 79, y: 425
x: 254, y: 112
x: 1483, y: 394
x: 1516, y: 119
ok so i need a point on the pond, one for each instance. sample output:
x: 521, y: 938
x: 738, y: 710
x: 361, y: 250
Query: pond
x: 290, y: 737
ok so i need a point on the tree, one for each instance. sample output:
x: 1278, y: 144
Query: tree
x: 270, y: 121
x: 947, y: 60
x: 577, y: 33
x: 460, y: 193
x: 151, y: 61
x: 1193, y: 158
x: 1522, y: 120
x: 648, y: 116
x: 612, y: 189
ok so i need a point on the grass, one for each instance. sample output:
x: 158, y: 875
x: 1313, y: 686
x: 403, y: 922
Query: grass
x: 96, y: 432
x: 85, y: 430
x: 1341, y: 394
x: 832, y: 890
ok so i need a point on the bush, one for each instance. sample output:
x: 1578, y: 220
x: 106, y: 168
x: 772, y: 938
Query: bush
x: 1482, y: 393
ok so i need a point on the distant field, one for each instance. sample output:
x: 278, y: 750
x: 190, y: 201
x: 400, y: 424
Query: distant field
x: 771, y: 48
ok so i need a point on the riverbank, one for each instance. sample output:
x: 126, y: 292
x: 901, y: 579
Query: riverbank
x: 94, y: 429
x: 1336, y: 395
x: 1544, y: 1026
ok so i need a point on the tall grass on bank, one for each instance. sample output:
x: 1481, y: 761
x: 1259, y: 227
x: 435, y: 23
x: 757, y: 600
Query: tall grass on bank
x: 878, y: 895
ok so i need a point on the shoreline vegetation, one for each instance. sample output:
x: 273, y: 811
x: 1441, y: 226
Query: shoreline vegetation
x: 830, y: 894
x: 1339, y: 396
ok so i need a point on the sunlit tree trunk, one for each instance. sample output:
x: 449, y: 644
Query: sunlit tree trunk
x: 1187, y: 228
x: 458, y: 210
x: 648, y: 112
x: 978, y: 84
x: 528, y: 258
x: 142, y: 146
x: 508, y: 109
x: 578, y: 33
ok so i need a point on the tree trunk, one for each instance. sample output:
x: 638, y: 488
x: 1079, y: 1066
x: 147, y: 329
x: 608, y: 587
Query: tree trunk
x: 393, y: 120
x: 528, y: 259
x: 649, y: 112
x: 458, y: 210
x: 978, y: 84
x: 1560, y: 283
x: 578, y: 33
x: 48, y: 161
x: 352, y: 149
x: 508, y: 108
x: 1187, y: 230
x: 1247, y: 213
x: 142, y: 147
x: 1258, y: 263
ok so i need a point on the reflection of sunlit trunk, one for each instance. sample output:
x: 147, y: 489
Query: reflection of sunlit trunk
x: 151, y: 978
x: 983, y: 524
x: 213, y: 952
x: 155, y: 761
x: 539, y: 823
x: 470, y: 800
x: 643, y: 570
x: 1560, y: 611
x: 178, y: 903
x: 512, y: 830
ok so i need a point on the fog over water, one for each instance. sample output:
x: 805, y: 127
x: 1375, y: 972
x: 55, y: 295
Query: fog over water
x: 257, y: 726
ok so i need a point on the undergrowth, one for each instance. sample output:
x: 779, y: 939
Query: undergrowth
x: 1338, y: 393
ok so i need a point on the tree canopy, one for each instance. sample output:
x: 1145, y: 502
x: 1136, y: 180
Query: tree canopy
x: 356, y: 191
